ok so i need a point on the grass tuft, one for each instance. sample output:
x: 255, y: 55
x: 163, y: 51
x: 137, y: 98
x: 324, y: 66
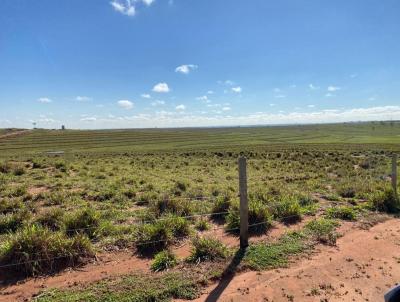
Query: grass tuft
x: 133, y: 288
x: 207, y: 249
x: 163, y: 260
x: 272, y: 255
x: 385, y: 201
x: 323, y: 230
x: 343, y: 212
x: 35, y: 250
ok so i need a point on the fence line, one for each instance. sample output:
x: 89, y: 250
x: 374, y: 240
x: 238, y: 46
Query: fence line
x: 243, y: 213
x: 136, y: 244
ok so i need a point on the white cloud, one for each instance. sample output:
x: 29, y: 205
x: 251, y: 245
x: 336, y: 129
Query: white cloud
x: 328, y: 95
x: 204, y: 99
x: 146, y: 96
x: 44, y: 100
x: 161, y: 88
x: 311, y: 106
x: 125, y: 104
x: 89, y: 119
x: 180, y: 107
x: 124, y: 7
x: 181, y: 118
x: 148, y: 2
x: 237, y: 89
x: 210, y: 92
x: 272, y: 105
x: 158, y: 103
x: 226, y: 108
x: 312, y: 87
x: 186, y: 69
x: 333, y: 88
x: 280, y: 96
x: 83, y: 98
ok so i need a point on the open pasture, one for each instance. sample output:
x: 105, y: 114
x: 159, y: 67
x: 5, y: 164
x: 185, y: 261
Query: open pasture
x: 277, y: 137
x: 169, y: 198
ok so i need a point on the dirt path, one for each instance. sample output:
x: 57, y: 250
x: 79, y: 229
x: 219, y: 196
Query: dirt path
x: 362, y: 267
x: 14, y: 134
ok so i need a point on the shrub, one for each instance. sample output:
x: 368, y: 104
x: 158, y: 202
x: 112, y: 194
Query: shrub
x: 179, y: 188
x: 202, y: 225
x: 12, y: 222
x: 36, y: 164
x: 346, y: 191
x: 260, y: 218
x: 176, y: 206
x: 323, y: 230
x: 180, y: 185
x: 287, y: 209
x: 344, y: 213
x: 52, y: 219
x: 54, y: 198
x: 19, y: 170
x: 152, y: 238
x: 5, y: 167
x: 221, y: 205
x: 306, y: 200
x: 36, y: 250
x: 179, y: 226
x: 10, y: 205
x: 163, y: 260
x: 104, y: 195
x: 145, y: 198
x: 17, y: 191
x: 86, y: 221
x: 61, y: 166
x: 385, y: 201
x: 207, y: 249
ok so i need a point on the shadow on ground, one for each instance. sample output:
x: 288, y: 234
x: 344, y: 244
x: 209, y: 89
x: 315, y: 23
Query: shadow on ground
x: 228, y: 275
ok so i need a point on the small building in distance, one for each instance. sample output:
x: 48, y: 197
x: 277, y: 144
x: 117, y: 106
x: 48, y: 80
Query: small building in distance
x: 62, y: 127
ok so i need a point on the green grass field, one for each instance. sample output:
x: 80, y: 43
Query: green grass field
x: 148, y: 190
x: 278, y: 137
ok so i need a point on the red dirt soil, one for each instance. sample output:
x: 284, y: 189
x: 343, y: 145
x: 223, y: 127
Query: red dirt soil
x: 108, y: 265
x: 362, y: 267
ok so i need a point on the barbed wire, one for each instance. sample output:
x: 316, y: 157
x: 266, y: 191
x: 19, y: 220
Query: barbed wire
x: 175, y: 239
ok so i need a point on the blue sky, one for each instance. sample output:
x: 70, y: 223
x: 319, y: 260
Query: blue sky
x: 168, y: 63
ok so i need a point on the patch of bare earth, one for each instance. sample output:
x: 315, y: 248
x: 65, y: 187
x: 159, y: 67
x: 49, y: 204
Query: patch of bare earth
x: 116, y: 264
x: 362, y: 267
x: 37, y: 190
x: 107, y: 265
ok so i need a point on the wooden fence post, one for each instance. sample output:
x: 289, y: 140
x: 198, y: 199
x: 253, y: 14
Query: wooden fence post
x: 394, y: 173
x: 244, y: 206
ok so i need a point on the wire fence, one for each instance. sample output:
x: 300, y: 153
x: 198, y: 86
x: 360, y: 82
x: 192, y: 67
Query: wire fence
x: 382, y: 171
x: 228, y: 232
